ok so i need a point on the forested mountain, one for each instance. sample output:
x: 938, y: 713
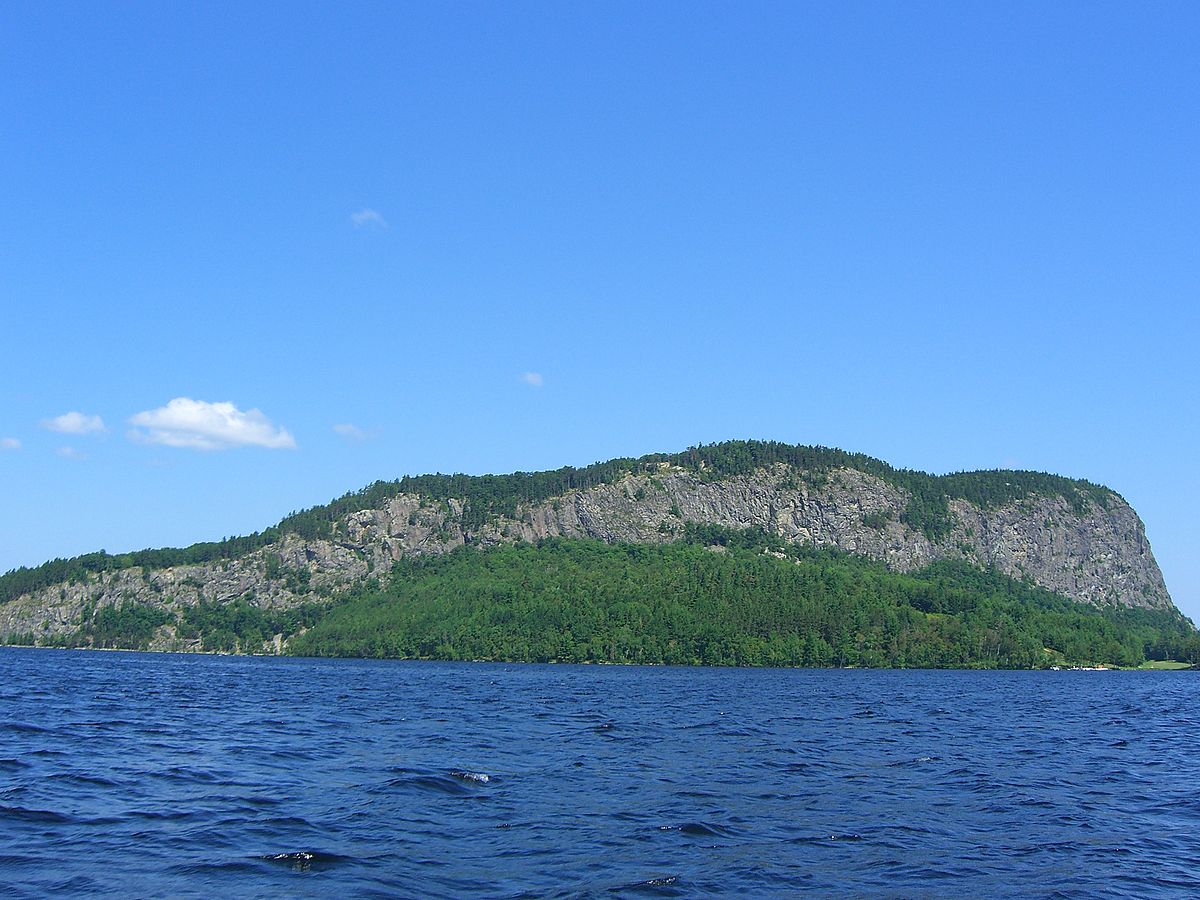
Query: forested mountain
x: 683, y: 603
x: 409, y: 544
x: 487, y: 497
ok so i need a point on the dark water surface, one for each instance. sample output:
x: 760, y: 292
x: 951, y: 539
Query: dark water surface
x: 163, y: 775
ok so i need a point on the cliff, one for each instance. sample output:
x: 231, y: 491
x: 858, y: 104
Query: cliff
x: 1085, y: 543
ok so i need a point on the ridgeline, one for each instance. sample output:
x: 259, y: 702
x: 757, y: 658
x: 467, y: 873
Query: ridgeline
x: 740, y: 553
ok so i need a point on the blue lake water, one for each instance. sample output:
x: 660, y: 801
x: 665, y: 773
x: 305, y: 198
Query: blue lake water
x: 171, y: 775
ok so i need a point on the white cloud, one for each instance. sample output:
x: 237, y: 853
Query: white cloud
x: 9, y: 444
x: 70, y: 453
x: 208, y: 426
x: 75, y: 423
x: 368, y: 218
x: 533, y: 379
x: 351, y: 432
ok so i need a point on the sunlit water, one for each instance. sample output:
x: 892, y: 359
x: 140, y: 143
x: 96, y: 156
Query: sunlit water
x: 164, y: 775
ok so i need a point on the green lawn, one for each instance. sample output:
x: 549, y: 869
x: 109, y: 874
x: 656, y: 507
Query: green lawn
x: 1164, y: 664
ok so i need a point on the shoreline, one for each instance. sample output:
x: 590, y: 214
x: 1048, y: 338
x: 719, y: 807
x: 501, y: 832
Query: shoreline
x: 1175, y: 667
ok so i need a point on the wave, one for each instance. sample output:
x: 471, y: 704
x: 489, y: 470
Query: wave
x: 305, y: 860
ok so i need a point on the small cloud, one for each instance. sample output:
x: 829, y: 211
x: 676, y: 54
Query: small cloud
x: 352, y: 432
x: 199, y: 425
x: 70, y: 453
x: 533, y: 379
x: 368, y: 218
x: 9, y: 444
x: 75, y: 423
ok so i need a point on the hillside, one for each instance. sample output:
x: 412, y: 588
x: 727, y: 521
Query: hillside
x: 723, y: 597
x: 1070, y: 537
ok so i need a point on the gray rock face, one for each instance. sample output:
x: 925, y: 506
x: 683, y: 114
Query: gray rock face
x: 1100, y: 556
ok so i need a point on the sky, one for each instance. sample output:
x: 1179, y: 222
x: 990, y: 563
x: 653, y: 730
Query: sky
x: 254, y: 256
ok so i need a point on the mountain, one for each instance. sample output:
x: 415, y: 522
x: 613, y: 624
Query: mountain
x: 1077, y: 540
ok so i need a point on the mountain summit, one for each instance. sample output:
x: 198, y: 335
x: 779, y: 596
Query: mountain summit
x: 1079, y: 540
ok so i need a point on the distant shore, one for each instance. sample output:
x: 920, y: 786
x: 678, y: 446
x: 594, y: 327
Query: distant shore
x: 1149, y: 666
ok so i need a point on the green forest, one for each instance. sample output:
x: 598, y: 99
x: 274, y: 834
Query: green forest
x: 239, y: 626
x: 717, y: 598
x: 488, y: 496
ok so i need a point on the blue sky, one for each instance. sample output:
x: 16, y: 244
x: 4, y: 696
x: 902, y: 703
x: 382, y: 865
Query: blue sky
x: 354, y: 241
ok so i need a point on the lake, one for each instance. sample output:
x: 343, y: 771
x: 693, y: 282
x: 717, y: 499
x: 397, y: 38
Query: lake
x: 160, y: 774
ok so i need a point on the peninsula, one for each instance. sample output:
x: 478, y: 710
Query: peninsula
x: 742, y: 552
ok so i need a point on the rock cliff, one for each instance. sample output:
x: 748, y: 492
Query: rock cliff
x: 1094, y: 552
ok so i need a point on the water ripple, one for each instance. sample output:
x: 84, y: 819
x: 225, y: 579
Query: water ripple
x: 159, y: 775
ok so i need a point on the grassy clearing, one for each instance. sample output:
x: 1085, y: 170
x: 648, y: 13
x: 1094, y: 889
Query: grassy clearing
x: 1164, y: 664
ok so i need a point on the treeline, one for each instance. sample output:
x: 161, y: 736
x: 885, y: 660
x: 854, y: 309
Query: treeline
x: 718, y: 599
x: 928, y: 509
x: 242, y: 626
x: 77, y: 569
x: 237, y: 626
x: 485, y: 497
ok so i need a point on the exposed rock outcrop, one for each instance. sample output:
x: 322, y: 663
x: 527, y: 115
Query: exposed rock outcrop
x: 1099, y: 555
